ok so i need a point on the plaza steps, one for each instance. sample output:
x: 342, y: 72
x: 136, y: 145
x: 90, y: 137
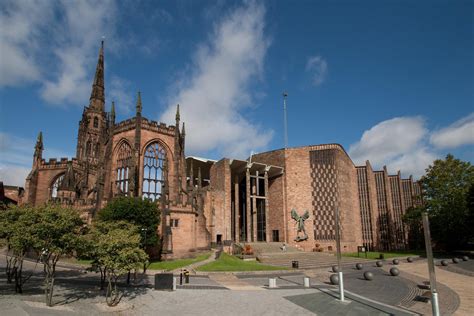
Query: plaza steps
x: 263, y: 248
x: 307, y: 260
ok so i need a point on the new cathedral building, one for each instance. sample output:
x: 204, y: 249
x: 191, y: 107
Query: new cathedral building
x: 205, y: 202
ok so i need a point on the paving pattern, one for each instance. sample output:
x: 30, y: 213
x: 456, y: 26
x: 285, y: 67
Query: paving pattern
x: 77, y: 293
x: 463, y: 267
x: 460, y: 284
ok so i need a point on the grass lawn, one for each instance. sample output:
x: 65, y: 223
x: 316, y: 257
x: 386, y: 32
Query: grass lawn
x: 387, y: 255
x: 73, y: 260
x: 178, y: 263
x: 230, y: 263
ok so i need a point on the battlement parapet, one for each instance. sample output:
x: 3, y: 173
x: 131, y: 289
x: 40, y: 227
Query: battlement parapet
x: 54, y: 163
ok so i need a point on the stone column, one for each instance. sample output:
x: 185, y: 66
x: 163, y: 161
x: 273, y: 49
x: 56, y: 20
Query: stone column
x: 267, y: 210
x: 236, y: 210
x: 254, y: 214
x: 248, y: 214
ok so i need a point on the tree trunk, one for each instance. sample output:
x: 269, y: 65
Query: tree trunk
x: 103, y: 273
x: 11, y: 268
x: 50, y: 268
x: 112, y: 296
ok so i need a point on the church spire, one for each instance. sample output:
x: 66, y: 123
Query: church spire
x: 177, y: 116
x: 97, y: 98
x: 38, y: 149
x: 69, y: 181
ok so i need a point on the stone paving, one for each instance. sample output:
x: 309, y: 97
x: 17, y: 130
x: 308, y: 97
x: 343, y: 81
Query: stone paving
x: 463, y: 267
x: 233, y: 294
x: 461, y: 284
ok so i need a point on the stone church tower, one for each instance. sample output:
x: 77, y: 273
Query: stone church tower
x: 136, y: 157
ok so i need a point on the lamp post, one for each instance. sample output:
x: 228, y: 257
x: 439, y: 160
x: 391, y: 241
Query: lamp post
x: 338, y: 252
x: 431, y: 268
x: 285, y: 119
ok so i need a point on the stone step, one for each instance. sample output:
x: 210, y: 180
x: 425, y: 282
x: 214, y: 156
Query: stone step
x: 270, y: 247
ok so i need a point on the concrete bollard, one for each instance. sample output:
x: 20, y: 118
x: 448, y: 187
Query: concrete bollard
x: 368, y: 276
x: 394, y: 272
x: 272, y: 283
x: 334, y: 278
x: 175, y: 280
x: 306, y: 282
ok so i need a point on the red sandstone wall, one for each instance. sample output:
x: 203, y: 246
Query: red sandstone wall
x: 276, y: 202
x: 220, y: 212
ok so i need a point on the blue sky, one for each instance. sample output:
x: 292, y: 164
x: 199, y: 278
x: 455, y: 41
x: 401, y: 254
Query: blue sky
x: 392, y: 81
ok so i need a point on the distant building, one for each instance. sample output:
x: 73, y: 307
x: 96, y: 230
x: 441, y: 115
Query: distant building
x: 206, y: 202
x: 10, y: 195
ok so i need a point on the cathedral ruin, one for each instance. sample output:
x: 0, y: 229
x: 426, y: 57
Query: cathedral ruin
x: 205, y: 202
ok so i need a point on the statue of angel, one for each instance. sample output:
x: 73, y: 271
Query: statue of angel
x: 300, y: 220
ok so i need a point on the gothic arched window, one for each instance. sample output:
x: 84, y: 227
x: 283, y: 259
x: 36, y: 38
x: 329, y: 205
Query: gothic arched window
x: 124, y: 157
x: 55, y: 186
x: 96, y: 122
x: 153, y: 171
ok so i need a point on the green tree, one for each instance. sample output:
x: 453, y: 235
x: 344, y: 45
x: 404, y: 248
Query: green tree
x: 142, y: 213
x: 57, y: 234
x: 115, y: 250
x: 412, y: 218
x: 447, y: 190
x: 17, y: 230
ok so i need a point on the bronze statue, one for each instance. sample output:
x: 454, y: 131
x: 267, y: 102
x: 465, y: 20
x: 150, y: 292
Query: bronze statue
x: 300, y: 220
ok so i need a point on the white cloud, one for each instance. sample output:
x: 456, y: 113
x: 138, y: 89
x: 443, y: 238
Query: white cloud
x: 83, y: 24
x: 457, y: 134
x: 398, y: 143
x: 389, y: 139
x: 17, y: 157
x: 318, y: 67
x: 413, y: 162
x: 13, y: 175
x: 54, y: 43
x: 20, y: 24
x: 213, y: 96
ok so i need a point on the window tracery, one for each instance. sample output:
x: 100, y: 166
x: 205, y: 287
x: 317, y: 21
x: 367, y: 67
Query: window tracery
x: 124, y: 157
x: 153, y: 171
x: 55, y: 186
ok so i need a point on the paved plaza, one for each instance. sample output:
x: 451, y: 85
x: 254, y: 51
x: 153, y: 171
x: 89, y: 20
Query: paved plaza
x: 77, y: 293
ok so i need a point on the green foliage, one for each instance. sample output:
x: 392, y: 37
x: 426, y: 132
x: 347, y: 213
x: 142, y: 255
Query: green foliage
x: 412, y: 218
x: 142, y: 213
x: 51, y: 230
x: 231, y: 263
x: 114, y: 248
x: 17, y: 230
x: 57, y: 234
x: 58, y: 230
x: 178, y: 263
x: 447, y: 190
